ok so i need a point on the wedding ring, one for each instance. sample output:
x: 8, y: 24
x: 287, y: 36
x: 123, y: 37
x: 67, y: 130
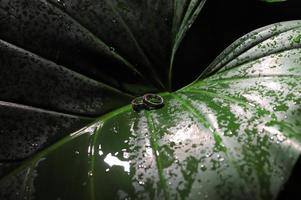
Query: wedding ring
x: 153, y: 101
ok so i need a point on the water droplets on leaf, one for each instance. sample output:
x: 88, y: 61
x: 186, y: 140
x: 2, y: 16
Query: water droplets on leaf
x: 126, y: 155
x: 203, y: 167
x: 297, y: 39
x: 112, y: 49
x: 90, y: 173
x: 34, y: 145
x: 61, y: 3
x: 100, y: 152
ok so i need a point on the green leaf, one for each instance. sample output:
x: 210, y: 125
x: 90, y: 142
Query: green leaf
x: 232, y: 134
x: 65, y: 62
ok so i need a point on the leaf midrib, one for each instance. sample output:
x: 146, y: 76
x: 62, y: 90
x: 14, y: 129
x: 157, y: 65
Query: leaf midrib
x: 155, y: 149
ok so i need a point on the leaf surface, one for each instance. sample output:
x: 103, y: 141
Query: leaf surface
x: 232, y: 134
x: 80, y: 59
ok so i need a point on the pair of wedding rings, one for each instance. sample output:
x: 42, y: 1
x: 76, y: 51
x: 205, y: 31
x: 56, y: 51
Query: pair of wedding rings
x: 148, y: 101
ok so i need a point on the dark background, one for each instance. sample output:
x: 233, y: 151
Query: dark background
x: 219, y: 24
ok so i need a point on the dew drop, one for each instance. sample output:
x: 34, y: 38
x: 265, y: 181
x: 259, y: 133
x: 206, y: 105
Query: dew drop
x: 126, y: 155
x: 90, y: 173
x: 112, y: 49
x: 189, y: 25
x: 141, y: 166
x: 34, y: 144
x: 203, y: 167
x: 61, y: 2
x: 208, y: 155
x: 76, y: 152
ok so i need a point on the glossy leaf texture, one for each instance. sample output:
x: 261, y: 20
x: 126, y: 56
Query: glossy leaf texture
x: 233, y: 134
x: 65, y: 62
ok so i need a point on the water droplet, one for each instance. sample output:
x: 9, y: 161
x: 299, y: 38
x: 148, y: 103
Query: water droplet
x: 113, y: 50
x: 141, y: 166
x: 189, y: 25
x: 90, y: 173
x: 61, y: 2
x: 280, y: 139
x: 34, y: 144
x: 141, y: 182
x: 100, y: 152
x: 208, y: 155
x: 203, y: 167
x: 76, y: 152
x: 126, y: 155
x: 108, y: 169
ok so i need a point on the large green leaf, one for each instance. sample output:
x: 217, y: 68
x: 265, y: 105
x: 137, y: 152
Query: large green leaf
x: 233, y: 134
x: 65, y: 62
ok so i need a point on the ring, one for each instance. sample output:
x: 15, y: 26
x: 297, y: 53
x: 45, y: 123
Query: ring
x: 138, y: 104
x: 153, y: 100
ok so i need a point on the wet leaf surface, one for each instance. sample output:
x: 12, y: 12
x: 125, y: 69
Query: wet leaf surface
x: 80, y: 59
x: 232, y: 134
